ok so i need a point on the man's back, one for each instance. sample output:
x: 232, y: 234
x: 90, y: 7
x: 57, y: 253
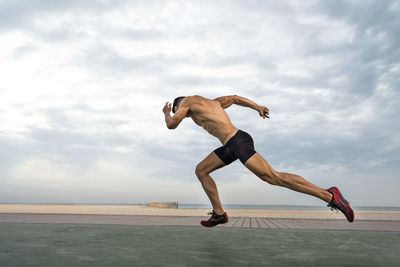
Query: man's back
x: 210, y: 115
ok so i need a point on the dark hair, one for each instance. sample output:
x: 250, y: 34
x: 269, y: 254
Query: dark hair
x: 176, y: 102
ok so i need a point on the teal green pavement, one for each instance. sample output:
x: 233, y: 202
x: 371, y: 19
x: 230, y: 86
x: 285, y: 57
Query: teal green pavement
x: 26, y: 244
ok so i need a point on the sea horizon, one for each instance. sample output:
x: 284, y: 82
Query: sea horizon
x: 208, y: 206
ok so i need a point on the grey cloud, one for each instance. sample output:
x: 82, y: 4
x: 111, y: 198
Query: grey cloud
x: 24, y: 50
x: 308, y: 147
x: 376, y: 44
x: 61, y: 35
x: 377, y: 41
x: 105, y: 60
x: 59, y: 118
x: 19, y: 13
x: 250, y: 58
x: 79, y: 148
x: 138, y: 34
x: 11, y: 150
x: 261, y: 7
x: 194, y: 81
x: 66, y: 139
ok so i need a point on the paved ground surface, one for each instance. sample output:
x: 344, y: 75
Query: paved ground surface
x: 235, y: 222
x: 43, y: 244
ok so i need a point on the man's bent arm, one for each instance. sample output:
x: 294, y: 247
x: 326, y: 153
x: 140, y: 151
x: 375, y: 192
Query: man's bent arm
x: 173, y: 122
x: 227, y: 101
x: 168, y: 120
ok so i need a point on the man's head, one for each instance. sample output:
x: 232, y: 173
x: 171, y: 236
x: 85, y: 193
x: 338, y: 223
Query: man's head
x: 177, y: 102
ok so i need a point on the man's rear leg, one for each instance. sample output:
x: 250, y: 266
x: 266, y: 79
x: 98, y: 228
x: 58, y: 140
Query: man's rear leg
x: 211, y: 163
x: 260, y: 167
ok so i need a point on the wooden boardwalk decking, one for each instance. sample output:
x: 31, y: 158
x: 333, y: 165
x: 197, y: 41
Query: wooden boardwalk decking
x: 235, y: 222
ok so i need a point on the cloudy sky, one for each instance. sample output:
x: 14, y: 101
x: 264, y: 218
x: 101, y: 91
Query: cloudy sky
x: 83, y: 84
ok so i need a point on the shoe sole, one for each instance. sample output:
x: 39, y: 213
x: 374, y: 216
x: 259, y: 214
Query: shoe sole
x: 348, y: 206
x: 208, y: 224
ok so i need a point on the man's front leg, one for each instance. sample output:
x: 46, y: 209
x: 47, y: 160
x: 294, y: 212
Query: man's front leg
x: 203, y: 170
x: 211, y: 190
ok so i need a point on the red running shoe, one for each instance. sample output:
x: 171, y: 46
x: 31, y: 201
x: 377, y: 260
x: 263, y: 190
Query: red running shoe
x: 215, y: 219
x: 339, y: 203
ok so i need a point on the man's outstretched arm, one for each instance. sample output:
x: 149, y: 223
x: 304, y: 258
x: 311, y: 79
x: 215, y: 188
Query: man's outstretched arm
x: 174, y: 121
x: 227, y: 101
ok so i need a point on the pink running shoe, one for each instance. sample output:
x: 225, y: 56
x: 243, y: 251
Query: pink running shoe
x: 339, y: 203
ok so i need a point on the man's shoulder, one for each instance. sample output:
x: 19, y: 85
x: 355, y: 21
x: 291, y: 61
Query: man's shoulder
x: 194, y: 99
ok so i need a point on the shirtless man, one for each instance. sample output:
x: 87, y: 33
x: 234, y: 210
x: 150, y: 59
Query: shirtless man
x: 237, y: 144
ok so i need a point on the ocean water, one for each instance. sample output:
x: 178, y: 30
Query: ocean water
x: 284, y: 207
x: 253, y: 207
x: 226, y: 206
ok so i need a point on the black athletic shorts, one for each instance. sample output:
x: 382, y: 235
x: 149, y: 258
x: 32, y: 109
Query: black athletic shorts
x: 240, y: 146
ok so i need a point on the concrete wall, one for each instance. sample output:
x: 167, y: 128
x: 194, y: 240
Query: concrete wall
x: 168, y: 205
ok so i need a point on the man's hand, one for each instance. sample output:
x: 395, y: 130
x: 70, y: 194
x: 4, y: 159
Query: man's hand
x: 167, y: 108
x: 263, y: 111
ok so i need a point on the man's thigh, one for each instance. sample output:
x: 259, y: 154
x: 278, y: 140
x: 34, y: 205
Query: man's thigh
x: 211, y: 163
x: 259, y: 166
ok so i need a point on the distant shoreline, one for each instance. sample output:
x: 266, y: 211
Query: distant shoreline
x: 207, y: 206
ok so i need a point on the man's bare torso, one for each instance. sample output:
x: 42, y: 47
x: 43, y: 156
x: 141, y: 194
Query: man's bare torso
x: 212, y: 117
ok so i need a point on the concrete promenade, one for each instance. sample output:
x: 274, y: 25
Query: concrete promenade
x: 235, y: 222
x: 57, y: 239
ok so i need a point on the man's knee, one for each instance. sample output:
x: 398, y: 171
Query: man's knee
x: 200, y: 171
